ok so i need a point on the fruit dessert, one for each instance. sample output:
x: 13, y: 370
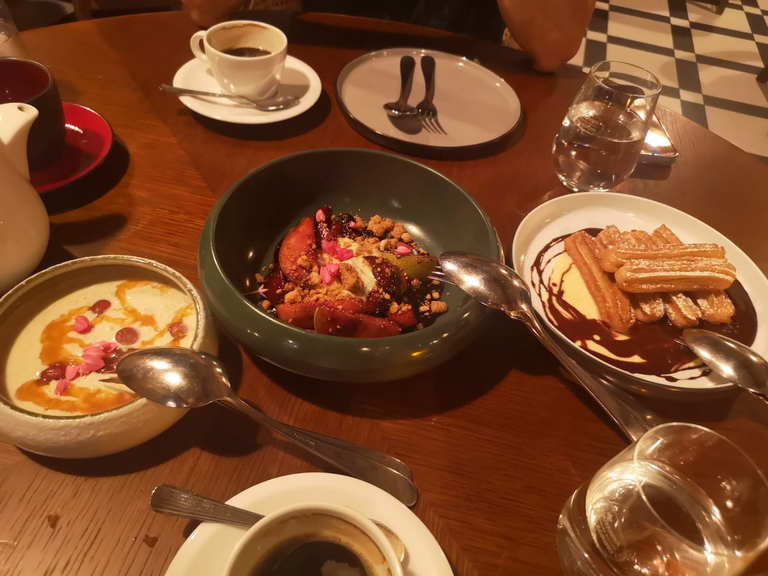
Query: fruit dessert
x: 627, y: 296
x: 341, y: 275
x: 56, y: 362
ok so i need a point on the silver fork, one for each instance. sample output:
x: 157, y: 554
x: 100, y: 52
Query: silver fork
x: 439, y: 276
x: 426, y: 108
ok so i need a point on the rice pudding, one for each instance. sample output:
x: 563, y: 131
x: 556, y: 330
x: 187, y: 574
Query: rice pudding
x: 57, y: 360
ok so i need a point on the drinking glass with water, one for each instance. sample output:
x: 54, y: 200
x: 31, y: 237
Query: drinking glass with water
x: 682, y: 500
x: 10, y: 42
x: 603, y: 132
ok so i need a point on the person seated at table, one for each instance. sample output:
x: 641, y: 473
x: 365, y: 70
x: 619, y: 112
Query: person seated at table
x: 549, y: 30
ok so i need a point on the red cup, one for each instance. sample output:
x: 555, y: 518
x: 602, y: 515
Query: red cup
x: 32, y: 83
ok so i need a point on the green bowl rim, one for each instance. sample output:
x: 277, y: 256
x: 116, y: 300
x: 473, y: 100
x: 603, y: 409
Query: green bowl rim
x: 213, y: 217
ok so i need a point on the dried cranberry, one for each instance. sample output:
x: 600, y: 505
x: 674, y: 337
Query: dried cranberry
x: 127, y: 336
x: 53, y: 372
x: 178, y: 329
x: 101, y: 306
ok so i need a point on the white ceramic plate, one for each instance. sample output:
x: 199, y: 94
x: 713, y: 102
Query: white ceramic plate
x: 574, y: 212
x: 474, y: 105
x: 206, y: 551
x: 298, y: 80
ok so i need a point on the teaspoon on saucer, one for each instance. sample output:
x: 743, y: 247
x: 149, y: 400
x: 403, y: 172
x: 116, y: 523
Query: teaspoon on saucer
x: 176, y: 501
x: 272, y: 104
x: 184, y: 378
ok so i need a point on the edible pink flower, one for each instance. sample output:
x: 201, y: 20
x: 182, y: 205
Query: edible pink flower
x: 328, y: 272
x: 320, y: 215
x: 82, y: 325
x: 262, y: 291
x: 344, y: 254
x: 329, y: 246
x: 61, y: 387
x: 403, y: 249
x: 71, y: 372
x: 352, y: 224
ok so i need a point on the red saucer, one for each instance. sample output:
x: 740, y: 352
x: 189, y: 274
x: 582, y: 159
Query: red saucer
x: 89, y: 138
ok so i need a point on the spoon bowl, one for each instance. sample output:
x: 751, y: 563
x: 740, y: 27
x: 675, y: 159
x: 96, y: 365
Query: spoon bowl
x: 732, y: 360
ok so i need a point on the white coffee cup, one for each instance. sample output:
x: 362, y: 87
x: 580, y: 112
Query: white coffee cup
x: 320, y: 521
x: 252, y: 76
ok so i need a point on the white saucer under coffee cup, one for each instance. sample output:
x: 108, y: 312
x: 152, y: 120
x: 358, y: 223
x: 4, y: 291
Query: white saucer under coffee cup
x: 287, y: 528
x: 251, y: 76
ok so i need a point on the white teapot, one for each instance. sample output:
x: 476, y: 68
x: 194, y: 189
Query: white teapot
x: 24, y: 225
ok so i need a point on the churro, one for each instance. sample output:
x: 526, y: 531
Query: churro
x: 681, y: 310
x: 614, y: 258
x: 675, y: 275
x: 612, y: 304
x: 716, y: 307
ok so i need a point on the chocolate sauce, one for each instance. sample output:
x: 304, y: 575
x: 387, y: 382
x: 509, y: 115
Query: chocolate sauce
x: 658, y: 344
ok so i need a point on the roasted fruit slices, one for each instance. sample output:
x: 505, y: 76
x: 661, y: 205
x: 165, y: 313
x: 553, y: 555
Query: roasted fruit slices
x: 340, y: 275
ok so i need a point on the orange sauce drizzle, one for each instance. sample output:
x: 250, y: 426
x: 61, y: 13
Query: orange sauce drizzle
x: 77, y: 400
x: 56, y: 335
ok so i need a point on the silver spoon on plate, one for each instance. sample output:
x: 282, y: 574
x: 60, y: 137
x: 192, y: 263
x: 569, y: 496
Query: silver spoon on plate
x: 499, y: 287
x: 184, y: 378
x: 732, y: 360
x: 176, y: 501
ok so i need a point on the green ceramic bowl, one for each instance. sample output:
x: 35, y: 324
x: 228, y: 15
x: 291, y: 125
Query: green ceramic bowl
x: 246, y: 224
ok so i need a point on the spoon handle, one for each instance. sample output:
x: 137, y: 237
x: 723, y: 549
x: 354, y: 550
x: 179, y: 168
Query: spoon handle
x: 388, y: 461
x: 628, y: 414
x: 179, y: 502
x: 352, y: 463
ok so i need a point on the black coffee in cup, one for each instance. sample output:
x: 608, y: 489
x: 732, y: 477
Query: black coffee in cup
x: 306, y: 557
x: 246, y: 52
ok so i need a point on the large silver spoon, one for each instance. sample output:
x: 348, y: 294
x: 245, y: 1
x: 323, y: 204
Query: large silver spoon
x: 183, y: 378
x: 176, y: 501
x: 731, y: 359
x: 501, y: 288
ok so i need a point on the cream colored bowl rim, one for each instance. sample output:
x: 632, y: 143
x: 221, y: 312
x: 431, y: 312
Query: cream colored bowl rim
x: 16, y: 295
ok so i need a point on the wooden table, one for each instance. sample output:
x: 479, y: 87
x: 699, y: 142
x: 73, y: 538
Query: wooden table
x: 497, y: 439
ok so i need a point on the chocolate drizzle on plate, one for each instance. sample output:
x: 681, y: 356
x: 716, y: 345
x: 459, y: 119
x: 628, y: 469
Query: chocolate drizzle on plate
x: 658, y: 345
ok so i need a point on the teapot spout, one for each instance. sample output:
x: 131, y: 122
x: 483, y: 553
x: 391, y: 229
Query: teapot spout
x: 15, y: 122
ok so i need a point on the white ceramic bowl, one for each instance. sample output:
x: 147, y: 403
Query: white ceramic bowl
x: 86, y: 436
x: 273, y: 530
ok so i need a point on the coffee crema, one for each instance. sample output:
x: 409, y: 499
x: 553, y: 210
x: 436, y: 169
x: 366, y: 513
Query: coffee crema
x: 246, y: 52
x: 306, y: 557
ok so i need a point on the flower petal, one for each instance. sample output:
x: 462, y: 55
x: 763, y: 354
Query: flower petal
x: 61, y: 387
x: 329, y: 246
x: 403, y: 249
x: 333, y: 268
x: 71, y: 372
x: 325, y: 276
x: 320, y: 215
x: 352, y: 224
x: 82, y: 325
x: 344, y: 253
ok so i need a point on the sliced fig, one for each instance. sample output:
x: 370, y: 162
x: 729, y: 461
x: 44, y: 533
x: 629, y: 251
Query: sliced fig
x: 298, y: 248
x: 405, y: 318
x: 274, y: 286
x: 373, y: 327
x: 414, y: 265
x: 301, y: 314
x: 336, y: 322
x: 376, y: 304
x: 389, y: 277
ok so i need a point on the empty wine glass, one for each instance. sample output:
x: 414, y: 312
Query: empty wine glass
x: 682, y: 500
x: 603, y: 132
x: 10, y: 42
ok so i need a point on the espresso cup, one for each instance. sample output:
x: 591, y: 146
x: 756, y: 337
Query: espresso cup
x: 246, y: 58
x: 29, y: 82
x: 304, y: 534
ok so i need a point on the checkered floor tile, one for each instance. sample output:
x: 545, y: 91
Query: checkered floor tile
x: 707, y: 62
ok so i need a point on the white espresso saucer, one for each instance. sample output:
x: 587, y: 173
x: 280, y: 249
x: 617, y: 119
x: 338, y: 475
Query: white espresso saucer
x: 206, y: 551
x: 298, y: 80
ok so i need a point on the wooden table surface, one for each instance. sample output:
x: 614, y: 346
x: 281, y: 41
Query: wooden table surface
x: 497, y: 438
